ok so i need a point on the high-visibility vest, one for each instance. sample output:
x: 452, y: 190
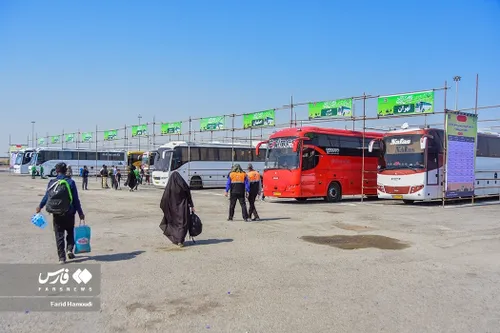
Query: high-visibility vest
x: 254, y: 176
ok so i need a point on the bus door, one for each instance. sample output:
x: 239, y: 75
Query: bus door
x: 309, y: 180
x: 432, y: 160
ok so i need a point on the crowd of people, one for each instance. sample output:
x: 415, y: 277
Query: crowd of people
x: 176, y: 202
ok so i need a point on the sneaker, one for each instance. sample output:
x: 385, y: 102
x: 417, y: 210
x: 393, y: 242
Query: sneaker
x: 229, y: 218
x: 62, y: 261
x: 180, y: 245
x: 71, y: 255
x: 248, y: 220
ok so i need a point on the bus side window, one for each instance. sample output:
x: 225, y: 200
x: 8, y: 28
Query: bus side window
x: 225, y: 154
x: 310, y: 159
x: 482, y: 146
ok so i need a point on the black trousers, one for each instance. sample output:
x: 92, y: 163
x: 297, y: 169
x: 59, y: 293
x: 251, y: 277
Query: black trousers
x: 232, y: 204
x: 64, y: 225
x: 85, y: 183
x: 251, y: 201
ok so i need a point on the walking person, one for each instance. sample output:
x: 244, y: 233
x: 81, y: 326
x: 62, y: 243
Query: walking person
x: 85, y: 178
x: 118, y: 178
x: 137, y: 178
x: 104, y: 176
x: 131, y: 179
x: 255, y: 189
x: 61, y: 200
x: 177, y: 205
x: 111, y: 175
x: 238, y: 185
x: 69, y: 171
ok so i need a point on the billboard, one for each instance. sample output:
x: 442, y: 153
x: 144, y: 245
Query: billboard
x: 327, y: 109
x: 406, y: 104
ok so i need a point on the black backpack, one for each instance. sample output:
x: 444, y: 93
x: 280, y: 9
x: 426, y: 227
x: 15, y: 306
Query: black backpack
x: 59, y: 197
x: 195, y: 227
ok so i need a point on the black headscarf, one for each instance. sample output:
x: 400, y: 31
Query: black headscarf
x: 175, y: 204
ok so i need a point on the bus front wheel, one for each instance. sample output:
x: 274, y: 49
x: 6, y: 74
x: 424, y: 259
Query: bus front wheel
x: 53, y: 173
x: 408, y: 202
x: 334, y: 193
x: 196, y: 183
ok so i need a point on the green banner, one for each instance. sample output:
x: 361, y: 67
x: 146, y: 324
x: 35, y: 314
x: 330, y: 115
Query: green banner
x: 212, y: 123
x: 86, y: 136
x: 259, y: 119
x: 139, y: 130
x: 171, y: 128
x: 415, y: 103
x: 69, y: 138
x: 337, y: 108
x: 110, y: 135
x: 55, y: 139
x: 41, y: 141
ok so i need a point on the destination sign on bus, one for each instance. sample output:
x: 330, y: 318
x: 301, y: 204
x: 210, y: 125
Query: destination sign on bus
x: 281, y: 143
x: 400, y: 142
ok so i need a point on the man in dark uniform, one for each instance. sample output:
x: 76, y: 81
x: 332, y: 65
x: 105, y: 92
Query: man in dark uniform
x: 239, y: 186
x: 255, y: 188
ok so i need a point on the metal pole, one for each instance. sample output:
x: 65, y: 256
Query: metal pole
x: 363, y: 150
x: 457, y: 80
x: 47, y: 141
x: 232, y: 140
x: 291, y: 111
x: 125, y: 142
x: 353, y: 117
x: 475, y: 140
x: 78, y: 151
x: 62, y: 140
x: 139, y: 136
x: 33, y: 134
x: 95, y: 170
x: 154, y: 133
x: 445, y: 144
x: 189, y: 146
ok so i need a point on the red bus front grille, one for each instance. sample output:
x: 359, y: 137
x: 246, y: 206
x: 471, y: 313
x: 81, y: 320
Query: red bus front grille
x: 397, y: 189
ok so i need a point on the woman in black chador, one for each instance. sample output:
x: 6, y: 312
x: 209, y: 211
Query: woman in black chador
x: 176, y: 204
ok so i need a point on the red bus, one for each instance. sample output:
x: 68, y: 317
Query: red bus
x: 314, y: 162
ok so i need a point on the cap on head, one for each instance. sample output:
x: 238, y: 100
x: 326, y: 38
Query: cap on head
x: 61, y: 167
x: 250, y: 166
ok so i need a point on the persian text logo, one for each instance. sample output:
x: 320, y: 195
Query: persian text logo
x: 61, y: 276
x: 82, y: 276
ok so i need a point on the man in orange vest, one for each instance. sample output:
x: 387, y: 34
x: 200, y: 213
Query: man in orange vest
x: 255, y: 189
x: 238, y: 185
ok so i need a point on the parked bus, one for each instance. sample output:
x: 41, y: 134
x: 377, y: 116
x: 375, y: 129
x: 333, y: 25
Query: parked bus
x: 313, y: 162
x: 203, y: 165
x: 134, y: 158
x: 412, y: 160
x: 48, y: 157
x: 148, y: 160
x: 23, y: 160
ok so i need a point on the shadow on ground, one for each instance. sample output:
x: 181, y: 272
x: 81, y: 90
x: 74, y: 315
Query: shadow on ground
x: 109, y: 257
x: 208, y: 241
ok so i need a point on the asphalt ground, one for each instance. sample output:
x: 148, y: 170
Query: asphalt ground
x: 438, y: 270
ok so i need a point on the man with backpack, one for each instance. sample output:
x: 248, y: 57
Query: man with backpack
x: 61, y: 200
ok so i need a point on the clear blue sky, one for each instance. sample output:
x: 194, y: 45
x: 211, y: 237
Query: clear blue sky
x: 77, y: 64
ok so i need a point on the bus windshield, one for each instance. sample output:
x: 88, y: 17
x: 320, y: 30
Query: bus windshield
x: 402, y: 152
x: 163, y: 159
x: 281, y: 154
x: 19, y: 158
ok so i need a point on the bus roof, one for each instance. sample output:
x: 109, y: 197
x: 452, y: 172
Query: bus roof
x: 296, y: 131
x: 173, y: 144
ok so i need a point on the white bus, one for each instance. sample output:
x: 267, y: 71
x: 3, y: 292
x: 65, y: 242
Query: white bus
x: 77, y: 158
x: 208, y: 165
x: 411, y: 165
x: 23, y: 161
x: 148, y: 160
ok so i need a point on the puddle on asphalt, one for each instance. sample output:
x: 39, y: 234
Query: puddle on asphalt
x: 357, y: 242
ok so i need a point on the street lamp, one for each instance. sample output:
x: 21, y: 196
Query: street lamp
x: 456, y: 79
x: 139, y: 117
x: 32, y: 134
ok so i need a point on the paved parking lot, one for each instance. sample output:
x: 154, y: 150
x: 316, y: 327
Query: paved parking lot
x: 431, y: 269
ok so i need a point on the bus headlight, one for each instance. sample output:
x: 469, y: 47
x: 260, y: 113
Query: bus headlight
x: 417, y: 188
x: 381, y: 188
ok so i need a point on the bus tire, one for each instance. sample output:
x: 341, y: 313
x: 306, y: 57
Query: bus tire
x: 334, y: 193
x: 53, y: 173
x: 301, y: 199
x: 196, y: 183
x: 408, y: 202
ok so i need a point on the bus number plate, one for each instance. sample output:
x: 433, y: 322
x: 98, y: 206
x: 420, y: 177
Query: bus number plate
x: 398, y: 196
x: 277, y: 194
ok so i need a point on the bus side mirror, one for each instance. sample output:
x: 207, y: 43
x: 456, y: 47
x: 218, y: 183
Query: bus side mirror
x: 257, y: 148
x: 423, y: 142
x: 370, y: 146
x: 295, y: 146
